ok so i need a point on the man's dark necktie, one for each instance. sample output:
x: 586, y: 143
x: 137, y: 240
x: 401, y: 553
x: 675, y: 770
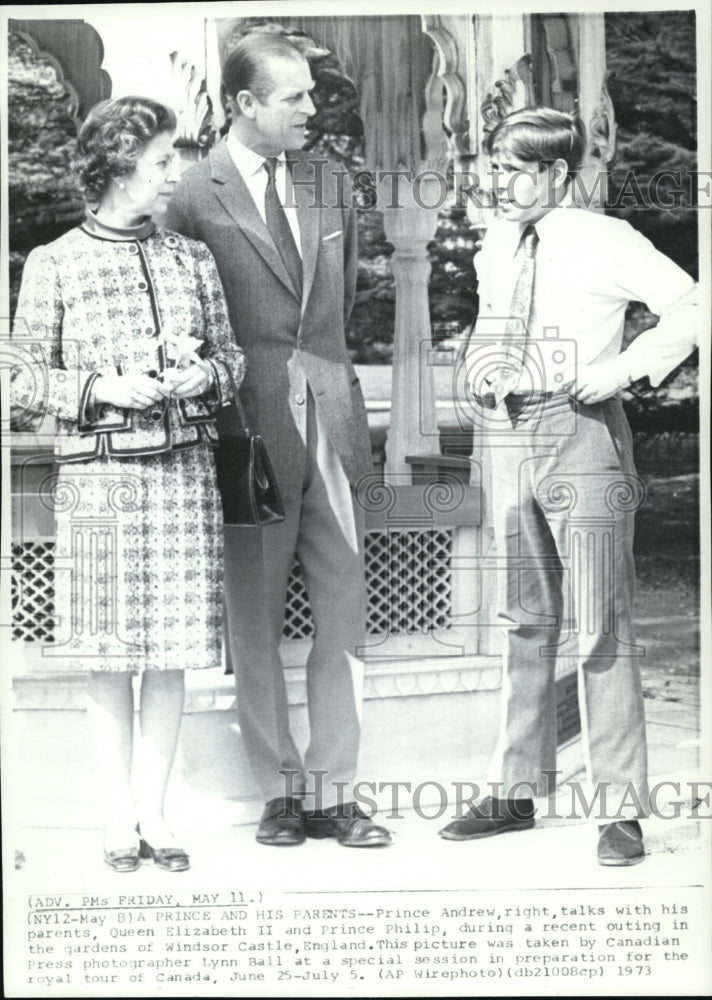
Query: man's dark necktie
x: 279, y: 228
x: 516, y: 330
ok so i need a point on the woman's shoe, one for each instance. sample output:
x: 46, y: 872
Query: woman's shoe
x: 125, y: 859
x: 170, y: 859
x: 120, y: 859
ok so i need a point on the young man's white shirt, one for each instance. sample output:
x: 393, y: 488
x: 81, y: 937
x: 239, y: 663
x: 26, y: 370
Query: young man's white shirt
x: 588, y: 268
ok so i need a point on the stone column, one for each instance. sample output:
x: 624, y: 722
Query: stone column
x: 596, y: 111
x: 410, y: 227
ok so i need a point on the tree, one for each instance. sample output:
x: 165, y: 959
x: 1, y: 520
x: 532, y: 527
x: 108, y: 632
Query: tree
x: 652, y: 82
x: 44, y: 198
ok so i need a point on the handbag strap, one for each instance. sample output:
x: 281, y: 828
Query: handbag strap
x: 241, y: 413
x: 238, y: 402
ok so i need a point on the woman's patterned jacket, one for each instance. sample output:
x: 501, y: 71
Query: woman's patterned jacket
x: 91, y: 305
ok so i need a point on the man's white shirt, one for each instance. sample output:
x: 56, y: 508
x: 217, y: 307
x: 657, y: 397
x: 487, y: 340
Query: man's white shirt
x: 252, y: 170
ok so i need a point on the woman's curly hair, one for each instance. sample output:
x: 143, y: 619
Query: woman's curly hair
x: 113, y: 137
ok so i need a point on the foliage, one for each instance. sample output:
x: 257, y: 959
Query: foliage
x: 336, y: 129
x: 652, y: 82
x: 673, y: 406
x: 651, y: 64
x: 453, y: 286
x: 369, y: 335
x: 44, y: 198
x: 41, y: 142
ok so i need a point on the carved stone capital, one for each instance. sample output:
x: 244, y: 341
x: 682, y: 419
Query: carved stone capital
x: 602, y: 128
x: 452, y: 39
x: 514, y: 90
x: 194, y: 109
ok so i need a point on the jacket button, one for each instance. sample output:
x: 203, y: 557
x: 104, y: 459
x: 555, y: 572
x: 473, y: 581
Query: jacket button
x: 149, y: 331
x: 299, y: 399
x: 142, y: 286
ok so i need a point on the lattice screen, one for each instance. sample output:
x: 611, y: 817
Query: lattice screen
x: 408, y: 575
x: 32, y: 591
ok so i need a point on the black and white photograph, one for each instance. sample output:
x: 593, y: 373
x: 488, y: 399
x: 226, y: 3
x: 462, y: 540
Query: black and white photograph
x: 355, y: 588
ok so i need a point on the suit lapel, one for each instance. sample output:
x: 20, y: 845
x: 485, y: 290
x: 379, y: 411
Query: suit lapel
x: 233, y: 194
x: 305, y: 197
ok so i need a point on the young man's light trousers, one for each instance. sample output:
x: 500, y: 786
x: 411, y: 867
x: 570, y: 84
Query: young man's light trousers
x: 562, y: 499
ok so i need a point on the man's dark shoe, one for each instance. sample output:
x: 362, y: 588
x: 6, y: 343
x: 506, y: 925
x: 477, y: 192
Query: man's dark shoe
x: 281, y: 823
x: 350, y: 826
x: 489, y: 817
x: 620, y: 843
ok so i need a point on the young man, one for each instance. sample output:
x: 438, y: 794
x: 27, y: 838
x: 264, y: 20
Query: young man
x: 546, y: 368
x: 286, y: 252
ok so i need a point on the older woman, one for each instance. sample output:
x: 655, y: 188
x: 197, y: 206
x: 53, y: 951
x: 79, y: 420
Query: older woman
x: 132, y: 352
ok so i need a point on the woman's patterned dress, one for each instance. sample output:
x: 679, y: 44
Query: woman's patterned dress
x: 138, y: 559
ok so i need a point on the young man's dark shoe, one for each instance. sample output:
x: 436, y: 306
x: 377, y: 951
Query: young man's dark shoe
x: 490, y: 817
x: 620, y: 844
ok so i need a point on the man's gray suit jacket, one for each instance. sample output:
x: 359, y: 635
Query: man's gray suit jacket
x: 288, y: 344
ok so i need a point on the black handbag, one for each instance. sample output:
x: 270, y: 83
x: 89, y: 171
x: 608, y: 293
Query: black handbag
x: 246, y: 480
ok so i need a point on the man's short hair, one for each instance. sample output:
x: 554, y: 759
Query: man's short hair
x: 540, y: 135
x: 246, y: 64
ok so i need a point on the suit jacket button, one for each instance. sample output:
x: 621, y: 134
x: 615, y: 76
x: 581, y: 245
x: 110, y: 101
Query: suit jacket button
x: 299, y: 399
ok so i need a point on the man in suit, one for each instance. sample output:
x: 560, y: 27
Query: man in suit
x: 285, y: 247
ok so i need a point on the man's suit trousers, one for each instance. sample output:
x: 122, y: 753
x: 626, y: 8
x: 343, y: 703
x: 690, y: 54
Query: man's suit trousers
x: 324, y: 529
